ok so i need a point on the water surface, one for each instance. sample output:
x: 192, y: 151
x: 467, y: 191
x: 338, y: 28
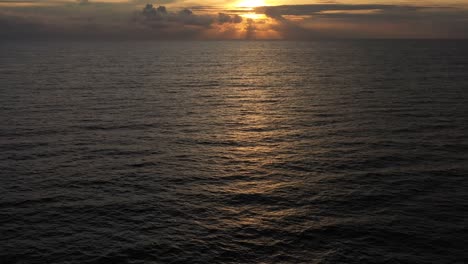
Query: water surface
x: 234, y: 152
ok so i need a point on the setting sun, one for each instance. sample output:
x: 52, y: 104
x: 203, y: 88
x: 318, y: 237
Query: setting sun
x: 251, y: 3
x: 253, y: 16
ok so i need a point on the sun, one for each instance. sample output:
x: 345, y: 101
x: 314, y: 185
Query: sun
x: 251, y: 3
x: 253, y: 16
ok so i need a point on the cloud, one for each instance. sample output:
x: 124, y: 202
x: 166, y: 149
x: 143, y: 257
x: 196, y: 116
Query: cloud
x: 134, y: 19
x: 156, y: 17
x: 365, y: 11
x: 250, y: 29
x: 317, y: 8
x: 224, y: 18
x: 367, y: 21
x: 83, y: 2
x: 98, y: 20
x: 158, y: 2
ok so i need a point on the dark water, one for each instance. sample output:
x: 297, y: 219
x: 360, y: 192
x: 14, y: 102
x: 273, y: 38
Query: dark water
x: 234, y: 152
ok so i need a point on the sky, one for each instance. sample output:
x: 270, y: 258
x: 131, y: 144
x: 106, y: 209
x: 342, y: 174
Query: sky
x: 232, y: 19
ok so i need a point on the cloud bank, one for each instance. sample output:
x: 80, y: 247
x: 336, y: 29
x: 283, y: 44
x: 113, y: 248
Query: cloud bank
x: 368, y: 21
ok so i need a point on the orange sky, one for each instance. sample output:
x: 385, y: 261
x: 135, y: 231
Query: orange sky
x: 300, y: 19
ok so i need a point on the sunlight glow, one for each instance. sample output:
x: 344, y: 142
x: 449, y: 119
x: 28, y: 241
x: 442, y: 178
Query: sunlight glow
x: 253, y: 16
x: 251, y: 3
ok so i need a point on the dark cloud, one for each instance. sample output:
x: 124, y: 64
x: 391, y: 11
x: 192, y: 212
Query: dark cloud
x: 83, y: 2
x: 185, y: 12
x: 161, y: 16
x: 159, y: 23
x: 300, y: 10
x: 152, y: 13
x: 225, y: 18
x: 109, y: 21
x: 250, y: 29
x: 14, y: 26
x: 156, y: 2
x: 391, y: 13
x: 368, y: 21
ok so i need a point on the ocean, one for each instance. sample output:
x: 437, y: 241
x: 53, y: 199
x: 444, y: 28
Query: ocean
x: 234, y: 152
